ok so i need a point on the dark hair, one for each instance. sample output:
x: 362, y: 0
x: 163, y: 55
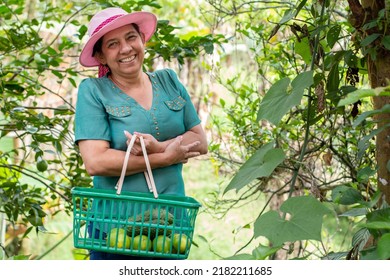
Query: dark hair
x: 97, y: 48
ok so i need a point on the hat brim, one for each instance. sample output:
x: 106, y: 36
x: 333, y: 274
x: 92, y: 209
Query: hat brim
x: 146, y: 22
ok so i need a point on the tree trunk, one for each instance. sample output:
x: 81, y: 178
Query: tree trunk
x: 379, y: 75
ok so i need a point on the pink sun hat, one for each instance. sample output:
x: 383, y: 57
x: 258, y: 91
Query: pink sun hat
x: 110, y: 19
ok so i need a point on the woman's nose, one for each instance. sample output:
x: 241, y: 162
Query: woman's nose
x: 125, y: 47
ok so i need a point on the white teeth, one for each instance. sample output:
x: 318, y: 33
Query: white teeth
x: 127, y: 59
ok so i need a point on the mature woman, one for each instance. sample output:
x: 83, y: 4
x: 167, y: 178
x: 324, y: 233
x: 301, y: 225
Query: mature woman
x: 125, y: 101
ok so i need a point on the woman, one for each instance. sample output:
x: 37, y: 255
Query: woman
x: 125, y: 101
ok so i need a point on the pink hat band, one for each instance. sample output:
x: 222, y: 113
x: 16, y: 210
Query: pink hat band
x: 104, y: 23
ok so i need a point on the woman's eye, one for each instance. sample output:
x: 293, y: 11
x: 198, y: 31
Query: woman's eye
x: 112, y: 44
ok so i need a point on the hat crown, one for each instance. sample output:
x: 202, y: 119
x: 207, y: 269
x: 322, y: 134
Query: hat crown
x: 104, y: 17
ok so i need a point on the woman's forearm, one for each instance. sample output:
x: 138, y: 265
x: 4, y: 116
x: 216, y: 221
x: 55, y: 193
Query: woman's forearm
x: 191, y: 136
x: 100, y: 160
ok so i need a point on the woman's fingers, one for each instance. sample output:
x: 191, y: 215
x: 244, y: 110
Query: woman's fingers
x: 192, y: 154
x: 192, y: 145
x: 136, y: 149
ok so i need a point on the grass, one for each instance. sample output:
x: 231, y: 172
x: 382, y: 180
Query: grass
x: 217, y: 235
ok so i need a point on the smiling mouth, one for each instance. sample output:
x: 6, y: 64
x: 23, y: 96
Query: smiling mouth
x: 127, y: 59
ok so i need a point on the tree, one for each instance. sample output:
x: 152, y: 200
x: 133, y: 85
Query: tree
x: 310, y: 133
x: 363, y: 16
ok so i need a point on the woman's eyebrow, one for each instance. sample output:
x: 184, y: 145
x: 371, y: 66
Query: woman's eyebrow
x: 126, y: 34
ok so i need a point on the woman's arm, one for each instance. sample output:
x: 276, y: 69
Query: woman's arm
x: 99, y: 159
x: 196, y: 134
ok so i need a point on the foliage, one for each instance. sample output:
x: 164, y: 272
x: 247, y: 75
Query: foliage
x: 39, y: 46
x: 313, y: 120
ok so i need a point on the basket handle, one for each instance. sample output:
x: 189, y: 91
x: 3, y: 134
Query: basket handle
x: 148, y: 173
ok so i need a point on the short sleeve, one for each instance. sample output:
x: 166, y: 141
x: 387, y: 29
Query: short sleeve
x: 191, y: 117
x: 91, y: 121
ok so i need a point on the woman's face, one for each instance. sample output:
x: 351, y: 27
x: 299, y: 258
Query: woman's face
x: 122, y: 50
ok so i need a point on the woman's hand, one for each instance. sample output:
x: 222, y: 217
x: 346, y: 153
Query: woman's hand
x: 151, y: 144
x: 174, y: 150
x: 178, y: 153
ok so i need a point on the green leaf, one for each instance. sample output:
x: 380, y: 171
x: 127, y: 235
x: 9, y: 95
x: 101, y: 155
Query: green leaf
x: 262, y: 252
x: 333, y: 81
x: 277, y: 102
x: 241, y: 257
x: 305, y: 221
x: 20, y: 257
x: 73, y: 82
x: 363, y: 93
x: 261, y: 164
x: 288, y: 15
x: 302, y: 48
x: 386, y: 42
x: 384, y: 110
x: 364, y: 143
x: 31, y: 129
x: 360, y: 238
x: 346, y: 195
x: 378, y: 221
x: 383, y: 248
x: 369, y: 254
x: 301, y: 82
x: 82, y: 31
x: 291, y: 13
x: 377, y: 225
x: 333, y: 35
x: 35, y: 220
x: 369, y: 39
x: 355, y: 212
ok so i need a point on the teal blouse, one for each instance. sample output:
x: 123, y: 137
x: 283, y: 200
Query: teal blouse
x: 103, y: 112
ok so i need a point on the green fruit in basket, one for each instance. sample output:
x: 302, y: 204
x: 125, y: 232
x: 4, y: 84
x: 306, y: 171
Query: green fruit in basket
x: 180, y: 242
x: 141, y: 242
x: 117, y: 237
x: 162, y: 244
x: 157, y: 217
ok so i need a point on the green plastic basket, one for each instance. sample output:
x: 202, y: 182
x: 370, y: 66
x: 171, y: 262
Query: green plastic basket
x: 135, y: 224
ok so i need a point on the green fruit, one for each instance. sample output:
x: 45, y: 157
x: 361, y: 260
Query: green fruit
x: 155, y: 217
x: 42, y: 165
x: 162, y: 244
x: 141, y: 242
x: 180, y: 242
x: 118, y: 238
